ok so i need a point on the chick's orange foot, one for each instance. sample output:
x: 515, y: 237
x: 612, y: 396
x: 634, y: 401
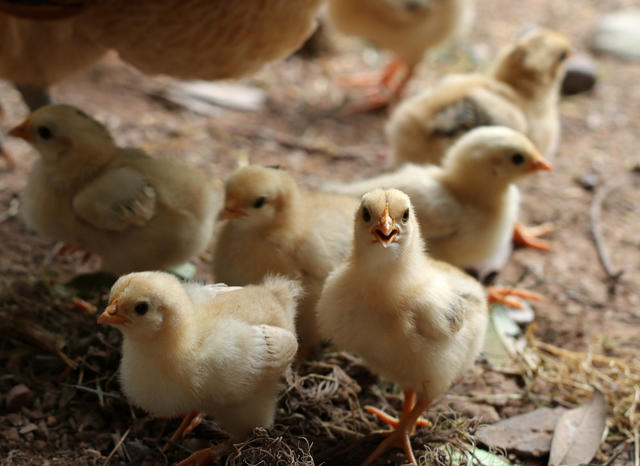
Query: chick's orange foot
x: 501, y: 295
x: 407, y: 405
x: 530, y: 236
x: 207, y: 455
x: 189, y: 422
x: 400, y: 434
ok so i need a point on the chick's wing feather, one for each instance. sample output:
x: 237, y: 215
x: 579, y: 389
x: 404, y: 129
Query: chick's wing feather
x: 439, y: 212
x: 118, y: 200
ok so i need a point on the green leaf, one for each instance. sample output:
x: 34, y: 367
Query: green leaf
x: 184, y: 271
x: 473, y: 456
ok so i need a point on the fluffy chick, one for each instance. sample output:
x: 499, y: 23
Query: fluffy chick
x: 521, y: 91
x: 205, y: 39
x: 407, y: 28
x: 468, y: 207
x: 414, y: 320
x: 188, y: 347
x: 136, y: 212
x: 275, y: 227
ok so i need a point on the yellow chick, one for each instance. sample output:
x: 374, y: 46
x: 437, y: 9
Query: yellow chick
x: 205, y: 39
x: 136, y: 212
x: 189, y: 348
x: 521, y: 91
x: 468, y: 207
x: 275, y: 227
x: 407, y: 28
x: 414, y: 320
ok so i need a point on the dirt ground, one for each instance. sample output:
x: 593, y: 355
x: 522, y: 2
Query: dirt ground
x: 78, y: 415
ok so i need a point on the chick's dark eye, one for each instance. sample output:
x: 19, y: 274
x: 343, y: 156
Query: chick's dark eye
x: 517, y: 159
x: 141, y: 308
x: 366, y: 215
x: 405, y: 216
x: 563, y: 56
x: 44, y: 132
x: 259, y: 202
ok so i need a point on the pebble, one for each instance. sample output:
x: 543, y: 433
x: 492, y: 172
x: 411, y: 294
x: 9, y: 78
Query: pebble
x: 618, y: 34
x: 18, y: 397
x: 580, y: 75
x: 11, y: 434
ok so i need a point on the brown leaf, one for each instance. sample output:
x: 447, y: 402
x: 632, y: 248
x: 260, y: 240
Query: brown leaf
x: 578, y: 433
x: 527, y: 434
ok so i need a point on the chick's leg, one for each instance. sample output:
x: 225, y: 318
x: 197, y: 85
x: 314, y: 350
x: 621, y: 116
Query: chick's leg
x: 407, y: 405
x: 207, y: 455
x: 401, y: 433
x: 501, y: 295
x: 189, y: 422
x: 530, y: 236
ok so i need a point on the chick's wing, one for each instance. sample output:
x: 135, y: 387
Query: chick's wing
x: 118, y: 200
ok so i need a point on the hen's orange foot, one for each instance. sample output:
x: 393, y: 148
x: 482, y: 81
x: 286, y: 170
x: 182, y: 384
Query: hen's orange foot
x: 501, y: 295
x: 189, y: 422
x: 530, y: 236
x: 207, y: 455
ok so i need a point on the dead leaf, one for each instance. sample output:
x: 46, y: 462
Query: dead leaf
x: 579, y: 432
x: 201, y: 96
x: 500, y: 340
x: 527, y: 434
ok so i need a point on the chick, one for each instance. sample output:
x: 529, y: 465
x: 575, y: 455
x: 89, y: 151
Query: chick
x: 414, y: 320
x: 205, y: 39
x: 407, y: 28
x: 36, y: 54
x: 521, y: 91
x: 468, y: 208
x: 136, y: 212
x: 275, y: 227
x: 189, y: 348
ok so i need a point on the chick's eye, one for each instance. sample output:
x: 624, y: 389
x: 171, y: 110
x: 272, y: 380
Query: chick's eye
x: 259, y: 202
x: 44, y: 132
x: 405, y: 216
x: 563, y: 56
x: 141, y: 308
x: 366, y: 215
x: 517, y: 159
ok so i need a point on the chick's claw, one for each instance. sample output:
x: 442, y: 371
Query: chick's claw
x: 189, y: 422
x: 501, y: 295
x: 207, y: 455
x: 530, y: 236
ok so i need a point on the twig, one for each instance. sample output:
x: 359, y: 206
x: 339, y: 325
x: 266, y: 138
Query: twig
x: 124, y: 436
x: 598, y: 239
x: 287, y: 140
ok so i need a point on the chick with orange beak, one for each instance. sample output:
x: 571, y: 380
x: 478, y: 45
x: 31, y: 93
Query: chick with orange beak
x: 414, y: 320
x: 134, y: 211
x: 468, y: 207
x: 274, y: 226
x: 191, y: 348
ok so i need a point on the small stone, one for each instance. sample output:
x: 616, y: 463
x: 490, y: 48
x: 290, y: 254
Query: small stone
x: 484, y: 414
x: 51, y: 421
x: 618, y: 34
x: 589, y: 181
x: 28, y: 428
x: 580, y: 75
x: 18, y: 397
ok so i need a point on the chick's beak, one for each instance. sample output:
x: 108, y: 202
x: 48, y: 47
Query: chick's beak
x: 540, y: 164
x: 111, y: 316
x: 386, y: 231
x: 231, y: 211
x: 22, y: 131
